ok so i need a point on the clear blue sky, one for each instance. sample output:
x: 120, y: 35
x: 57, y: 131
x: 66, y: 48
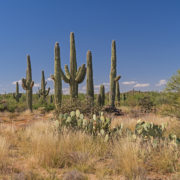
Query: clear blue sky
x: 147, y: 34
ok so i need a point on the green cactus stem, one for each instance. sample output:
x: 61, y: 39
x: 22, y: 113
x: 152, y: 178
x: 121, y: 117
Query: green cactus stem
x: 102, y: 93
x: 57, y: 78
x: 51, y: 99
x: 101, y: 96
x: 74, y: 76
x: 117, y: 94
x: 17, y: 95
x: 89, y: 79
x: 113, y: 77
x: 27, y: 84
x: 43, y: 92
x: 99, y: 100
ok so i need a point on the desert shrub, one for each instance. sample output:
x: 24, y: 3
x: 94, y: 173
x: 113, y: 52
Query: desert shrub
x: 146, y: 104
x: 173, y: 92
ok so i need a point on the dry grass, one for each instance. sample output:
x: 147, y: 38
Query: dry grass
x: 4, y: 152
x: 135, y: 159
x: 41, y: 149
x: 128, y: 158
x: 69, y: 149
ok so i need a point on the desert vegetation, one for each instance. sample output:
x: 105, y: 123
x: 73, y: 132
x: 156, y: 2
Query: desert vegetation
x: 110, y: 135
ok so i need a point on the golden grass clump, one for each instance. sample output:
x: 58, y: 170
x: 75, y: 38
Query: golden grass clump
x: 4, y: 152
x: 66, y: 149
x: 128, y: 158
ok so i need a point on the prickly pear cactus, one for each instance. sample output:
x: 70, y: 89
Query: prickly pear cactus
x: 98, y: 125
x: 149, y: 130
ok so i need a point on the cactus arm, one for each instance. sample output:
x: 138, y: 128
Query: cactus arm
x: 68, y: 76
x: 32, y: 84
x: 66, y: 80
x: 45, y: 83
x: 81, y: 75
x: 47, y: 92
x: 117, y: 78
x: 24, y: 86
x: 78, y: 71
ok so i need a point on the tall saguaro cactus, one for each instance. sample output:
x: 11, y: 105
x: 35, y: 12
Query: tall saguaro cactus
x: 27, y: 84
x: 43, y: 92
x: 117, y: 93
x: 17, y: 95
x: 113, y: 77
x: 101, y: 96
x: 73, y: 77
x: 57, y: 77
x: 102, y: 93
x: 89, y: 79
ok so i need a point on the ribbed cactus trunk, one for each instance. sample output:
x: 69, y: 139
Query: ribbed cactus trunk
x: 17, y: 95
x: 43, y: 92
x: 102, y: 93
x: 113, y: 77
x: 101, y: 96
x: 28, y: 84
x: 74, y: 77
x: 89, y: 79
x: 57, y: 78
x: 117, y: 93
x: 51, y: 99
x: 99, y: 100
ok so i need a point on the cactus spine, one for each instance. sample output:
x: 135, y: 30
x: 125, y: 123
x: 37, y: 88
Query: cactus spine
x: 43, y: 92
x: 101, y: 96
x: 74, y: 77
x: 89, y: 79
x: 27, y: 84
x: 57, y: 77
x: 117, y: 93
x: 113, y: 77
x: 17, y: 95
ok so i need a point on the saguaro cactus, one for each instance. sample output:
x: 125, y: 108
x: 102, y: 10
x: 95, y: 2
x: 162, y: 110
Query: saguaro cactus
x: 99, y: 100
x: 50, y: 99
x: 102, y: 93
x: 113, y: 77
x: 17, y: 95
x: 101, y: 96
x: 117, y: 93
x: 43, y: 92
x: 27, y: 84
x: 89, y: 79
x: 73, y: 77
x: 57, y: 78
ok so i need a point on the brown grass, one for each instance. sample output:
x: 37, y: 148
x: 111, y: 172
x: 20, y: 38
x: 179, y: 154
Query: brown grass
x: 40, y: 150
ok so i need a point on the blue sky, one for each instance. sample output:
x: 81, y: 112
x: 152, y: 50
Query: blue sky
x: 147, y: 34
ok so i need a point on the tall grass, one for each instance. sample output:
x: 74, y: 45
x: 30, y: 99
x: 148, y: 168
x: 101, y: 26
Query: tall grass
x: 4, y: 152
x: 67, y: 149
